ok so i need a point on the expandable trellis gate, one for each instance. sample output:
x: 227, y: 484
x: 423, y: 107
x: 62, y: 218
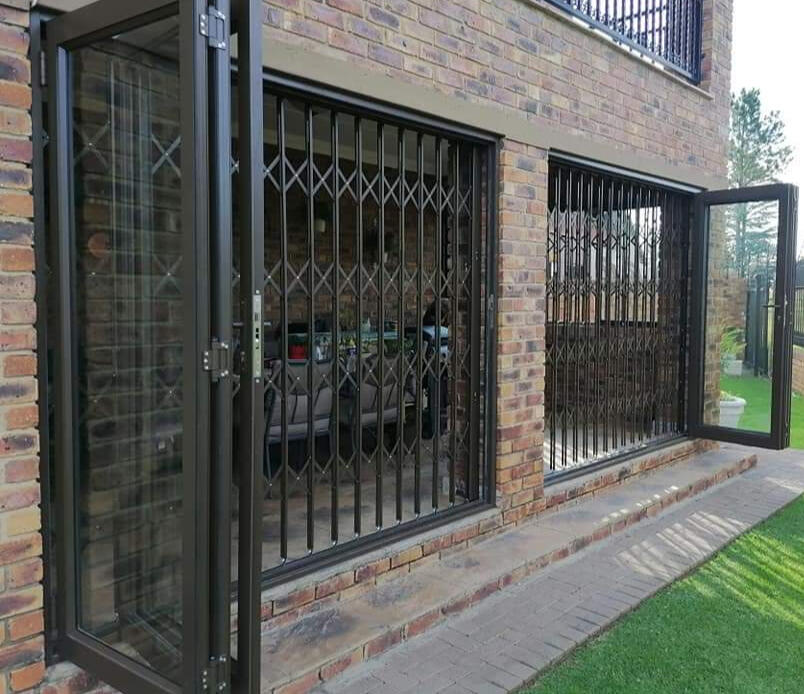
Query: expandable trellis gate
x: 616, y: 311
x: 374, y: 313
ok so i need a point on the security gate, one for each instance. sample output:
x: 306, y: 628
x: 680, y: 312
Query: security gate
x: 373, y: 322
x: 616, y: 313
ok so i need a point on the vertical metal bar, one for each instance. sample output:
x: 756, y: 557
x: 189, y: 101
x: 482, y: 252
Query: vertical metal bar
x: 281, y: 107
x: 576, y: 311
x: 41, y: 242
x: 591, y: 349
x: 551, y: 317
x: 610, y: 396
x: 311, y: 361
x: 417, y: 475
x: 455, y: 259
x: 359, y: 319
x: 252, y: 386
x: 195, y: 383
x: 682, y: 216
x: 631, y: 286
x: 598, y: 316
x: 221, y: 273
x: 61, y: 202
x: 655, y: 393
x: 401, y: 357
x: 336, y: 324
x: 381, y: 401
x: 436, y: 403
x: 567, y: 299
x: 640, y: 325
x: 558, y: 283
x: 476, y: 318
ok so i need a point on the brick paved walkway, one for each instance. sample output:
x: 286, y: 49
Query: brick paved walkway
x: 508, y: 638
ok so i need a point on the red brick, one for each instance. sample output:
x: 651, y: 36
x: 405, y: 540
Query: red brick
x: 16, y: 95
x: 28, y: 677
x: 382, y: 643
x: 26, y: 625
x: 423, y: 623
x: 406, y: 556
x: 19, y: 365
x: 14, y: 203
x: 334, y: 584
x: 294, y: 600
x: 375, y: 568
x: 22, y: 469
x: 336, y: 667
x: 16, y: 259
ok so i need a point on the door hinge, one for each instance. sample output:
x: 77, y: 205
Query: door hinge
x: 212, y: 24
x: 216, y: 360
x: 215, y: 676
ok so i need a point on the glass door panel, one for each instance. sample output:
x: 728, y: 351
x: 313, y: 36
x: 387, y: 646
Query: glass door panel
x: 744, y: 254
x: 128, y: 95
x: 129, y: 321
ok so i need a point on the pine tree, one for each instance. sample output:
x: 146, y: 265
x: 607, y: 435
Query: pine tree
x: 758, y: 154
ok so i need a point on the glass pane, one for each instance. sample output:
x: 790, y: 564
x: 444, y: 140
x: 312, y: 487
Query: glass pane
x: 741, y: 294
x: 128, y: 322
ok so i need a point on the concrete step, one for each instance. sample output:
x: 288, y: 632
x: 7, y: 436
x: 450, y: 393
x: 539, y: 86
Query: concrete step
x: 298, y: 655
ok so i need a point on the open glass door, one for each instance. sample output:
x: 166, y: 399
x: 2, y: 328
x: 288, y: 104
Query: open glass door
x: 742, y: 319
x: 135, y: 136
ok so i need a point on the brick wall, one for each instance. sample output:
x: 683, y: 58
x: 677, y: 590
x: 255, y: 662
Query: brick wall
x: 21, y: 614
x: 526, y: 58
x: 517, y: 55
x: 522, y: 232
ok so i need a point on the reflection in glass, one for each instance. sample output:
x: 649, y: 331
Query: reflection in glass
x: 128, y: 320
x: 740, y: 300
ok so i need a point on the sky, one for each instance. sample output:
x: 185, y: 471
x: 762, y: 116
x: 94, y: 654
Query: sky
x: 768, y: 53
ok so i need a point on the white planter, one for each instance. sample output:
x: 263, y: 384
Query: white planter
x: 733, y: 367
x: 731, y: 411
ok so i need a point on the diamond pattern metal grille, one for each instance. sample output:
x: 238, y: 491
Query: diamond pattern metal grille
x: 371, y: 228
x: 616, y: 313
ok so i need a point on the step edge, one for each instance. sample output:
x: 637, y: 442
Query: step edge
x: 399, y: 632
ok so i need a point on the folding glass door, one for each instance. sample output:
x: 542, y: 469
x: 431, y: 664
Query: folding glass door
x: 130, y: 116
x: 744, y: 253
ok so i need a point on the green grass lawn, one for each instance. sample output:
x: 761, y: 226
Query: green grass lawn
x: 736, y: 625
x: 757, y: 394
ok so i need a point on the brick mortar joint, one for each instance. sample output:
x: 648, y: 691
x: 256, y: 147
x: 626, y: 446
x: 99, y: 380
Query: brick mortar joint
x: 645, y: 60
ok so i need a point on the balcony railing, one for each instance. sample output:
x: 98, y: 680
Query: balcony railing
x: 667, y: 31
